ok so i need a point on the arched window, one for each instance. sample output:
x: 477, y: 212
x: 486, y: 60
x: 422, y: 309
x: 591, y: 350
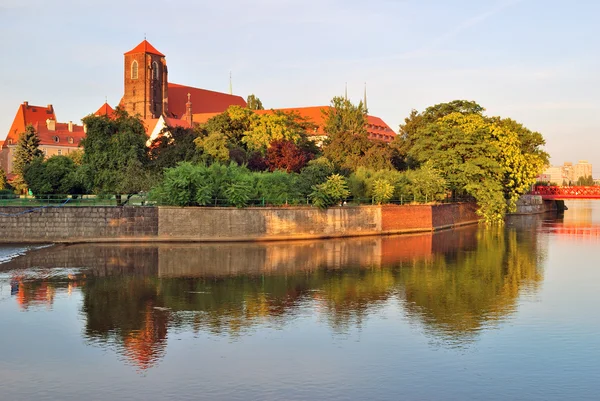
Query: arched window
x: 70, y: 139
x: 134, y: 70
x: 155, y: 70
x: 56, y: 139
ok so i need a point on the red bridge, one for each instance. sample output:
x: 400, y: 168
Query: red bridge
x: 552, y: 193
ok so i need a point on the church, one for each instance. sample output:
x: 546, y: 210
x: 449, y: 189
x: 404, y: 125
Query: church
x: 158, y: 102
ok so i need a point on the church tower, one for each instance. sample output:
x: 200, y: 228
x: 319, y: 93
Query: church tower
x: 146, y: 83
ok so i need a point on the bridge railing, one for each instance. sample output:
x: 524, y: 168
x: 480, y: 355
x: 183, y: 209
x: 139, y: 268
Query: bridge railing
x: 574, y: 192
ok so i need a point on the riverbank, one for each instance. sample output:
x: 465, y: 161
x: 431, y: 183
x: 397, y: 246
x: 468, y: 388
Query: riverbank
x: 201, y: 224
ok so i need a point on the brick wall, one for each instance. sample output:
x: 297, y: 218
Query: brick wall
x: 74, y: 223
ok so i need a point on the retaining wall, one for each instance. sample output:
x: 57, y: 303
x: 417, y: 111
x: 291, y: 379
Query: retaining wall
x: 148, y: 224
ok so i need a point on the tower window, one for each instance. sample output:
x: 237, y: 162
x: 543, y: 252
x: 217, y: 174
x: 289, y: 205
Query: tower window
x: 155, y: 70
x: 134, y: 70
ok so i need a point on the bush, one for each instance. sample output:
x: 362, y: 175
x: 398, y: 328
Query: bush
x: 278, y: 188
x: 331, y: 192
x: 382, y: 191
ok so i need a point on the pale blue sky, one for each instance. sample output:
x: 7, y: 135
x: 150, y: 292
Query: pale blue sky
x: 534, y: 60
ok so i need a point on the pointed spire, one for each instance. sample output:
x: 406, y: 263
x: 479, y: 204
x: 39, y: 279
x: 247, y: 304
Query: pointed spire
x: 365, y: 100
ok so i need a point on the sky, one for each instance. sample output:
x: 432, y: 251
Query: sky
x: 535, y: 61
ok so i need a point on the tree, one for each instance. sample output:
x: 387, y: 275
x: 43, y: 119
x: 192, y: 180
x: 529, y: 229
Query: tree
x: 286, y: 155
x: 174, y: 145
x: 3, y: 180
x: 233, y: 123
x: 585, y: 181
x: 26, y: 151
x: 77, y: 156
x: 55, y: 176
x: 115, y: 154
x: 268, y: 128
x: 409, y: 132
x: 331, y: 192
x: 347, y: 141
x: 481, y: 156
x: 254, y: 103
x: 315, y: 173
x: 213, y: 147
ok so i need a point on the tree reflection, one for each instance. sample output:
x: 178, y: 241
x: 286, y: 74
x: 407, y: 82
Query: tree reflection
x: 455, y: 283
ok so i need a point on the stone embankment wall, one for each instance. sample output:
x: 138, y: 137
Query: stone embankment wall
x: 147, y: 224
x: 534, y: 204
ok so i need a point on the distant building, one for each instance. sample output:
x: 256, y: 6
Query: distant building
x: 377, y: 129
x: 568, y: 173
x: 55, y: 138
x: 148, y: 93
x: 582, y: 169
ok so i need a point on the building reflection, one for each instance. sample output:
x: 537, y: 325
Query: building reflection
x: 453, y: 283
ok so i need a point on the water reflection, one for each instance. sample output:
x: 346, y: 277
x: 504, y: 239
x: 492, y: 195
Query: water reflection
x: 453, y: 283
x: 579, y: 223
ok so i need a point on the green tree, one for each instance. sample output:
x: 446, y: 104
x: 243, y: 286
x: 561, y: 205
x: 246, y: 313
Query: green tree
x: 278, y: 188
x: 28, y: 148
x: 174, y: 145
x: 55, y: 176
x: 347, y: 141
x: 409, y: 132
x: 331, y: 192
x: 77, y: 156
x: 315, y: 173
x: 214, y: 147
x: 494, y: 160
x: 115, y: 154
x: 3, y: 180
x: 585, y: 181
x: 254, y: 103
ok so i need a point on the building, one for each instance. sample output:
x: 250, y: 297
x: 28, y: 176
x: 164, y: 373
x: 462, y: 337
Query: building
x: 55, y: 138
x: 377, y: 129
x: 148, y: 93
x: 582, y: 169
x: 568, y: 173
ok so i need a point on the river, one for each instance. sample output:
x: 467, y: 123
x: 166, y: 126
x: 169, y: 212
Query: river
x: 473, y: 313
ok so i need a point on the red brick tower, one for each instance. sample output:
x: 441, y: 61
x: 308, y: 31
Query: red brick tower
x: 146, y: 83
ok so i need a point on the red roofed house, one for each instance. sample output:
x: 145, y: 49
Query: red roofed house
x: 55, y: 138
x: 377, y: 129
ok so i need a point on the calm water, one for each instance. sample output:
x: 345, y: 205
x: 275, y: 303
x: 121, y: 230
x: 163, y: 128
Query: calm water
x: 507, y: 314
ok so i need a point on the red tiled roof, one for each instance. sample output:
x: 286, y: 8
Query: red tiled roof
x: 201, y: 118
x: 28, y: 114
x: 376, y: 127
x: 105, y: 110
x: 175, y: 122
x: 60, y: 136
x: 150, y: 124
x: 145, y: 47
x: 203, y: 101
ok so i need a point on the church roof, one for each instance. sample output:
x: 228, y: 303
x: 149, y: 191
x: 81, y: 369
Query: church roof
x: 105, y: 110
x: 145, y: 47
x: 203, y: 101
